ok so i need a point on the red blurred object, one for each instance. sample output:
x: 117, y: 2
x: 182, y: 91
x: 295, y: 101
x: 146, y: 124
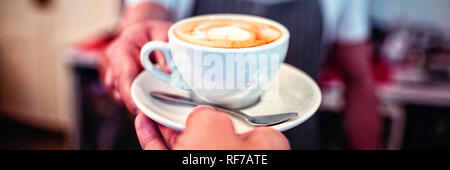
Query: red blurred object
x: 331, y: 72
x: 86, y: 52
x: 96, y: 43
x: 382, y: 71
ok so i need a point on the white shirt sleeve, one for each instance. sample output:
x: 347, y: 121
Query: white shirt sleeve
x: 353, y: 23
x: 180, y: 8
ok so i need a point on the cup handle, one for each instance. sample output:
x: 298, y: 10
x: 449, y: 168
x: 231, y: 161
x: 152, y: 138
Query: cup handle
x: 147, y: 64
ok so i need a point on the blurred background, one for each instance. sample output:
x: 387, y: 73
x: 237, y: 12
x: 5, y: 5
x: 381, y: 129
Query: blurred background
x: 51, y: 97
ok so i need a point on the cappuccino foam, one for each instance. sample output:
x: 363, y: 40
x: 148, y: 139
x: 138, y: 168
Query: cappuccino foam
x: 227, y: 33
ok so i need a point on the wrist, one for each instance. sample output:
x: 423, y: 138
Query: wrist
x: 144, y: 11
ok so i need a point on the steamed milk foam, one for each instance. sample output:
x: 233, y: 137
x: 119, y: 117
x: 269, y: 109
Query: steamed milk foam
x: 223, y: 59
x: 227, y: 33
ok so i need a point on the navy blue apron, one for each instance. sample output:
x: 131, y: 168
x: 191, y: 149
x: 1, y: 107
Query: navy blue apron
x: 304, y: 20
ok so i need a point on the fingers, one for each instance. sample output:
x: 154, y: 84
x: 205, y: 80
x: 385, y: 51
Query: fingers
x: 168, y: 134
x: 109, y: 83
x: 120, y: 63
x: 136, y: 34
x: 199, y: 109
x: 159, y: 31
x: 108, y: 79
x: 104, y: 69
x: 124, y: 82
x: 161, y: 62
x: 207, y: 129
x: 148, y: 134
x: 206, y: 120
x: 117, y: 96
x: 126, y: 48
x: 122, y: 70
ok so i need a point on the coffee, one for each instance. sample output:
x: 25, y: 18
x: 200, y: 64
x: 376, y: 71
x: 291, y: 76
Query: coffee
x: 223, y: 59
x: 227, y: 33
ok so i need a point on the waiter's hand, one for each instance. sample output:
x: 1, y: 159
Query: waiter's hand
x: 120, y: 64
x: 208, y: 129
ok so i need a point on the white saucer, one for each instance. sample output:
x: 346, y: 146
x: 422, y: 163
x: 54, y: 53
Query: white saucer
x: 297, y: 92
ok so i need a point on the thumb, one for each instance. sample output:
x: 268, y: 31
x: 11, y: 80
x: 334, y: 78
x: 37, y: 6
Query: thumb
x: 265, y: 138
x: 206, y: 120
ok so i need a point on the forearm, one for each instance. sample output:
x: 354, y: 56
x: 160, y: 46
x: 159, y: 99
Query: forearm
x: 357, y: 73
x: 355, y: 62
x: 145, y: 11
x: 361, y: 119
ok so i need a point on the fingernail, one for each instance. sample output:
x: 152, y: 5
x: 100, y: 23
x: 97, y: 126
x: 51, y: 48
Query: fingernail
x: 108, y: 79
x: 197, y: 110
x: 117, y: 96
x: 203, y: 107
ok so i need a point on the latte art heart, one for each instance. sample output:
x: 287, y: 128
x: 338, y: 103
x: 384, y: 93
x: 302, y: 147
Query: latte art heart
x: 227, y: 33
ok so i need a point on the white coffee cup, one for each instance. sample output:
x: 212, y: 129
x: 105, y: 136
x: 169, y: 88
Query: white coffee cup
x: 215, y: 75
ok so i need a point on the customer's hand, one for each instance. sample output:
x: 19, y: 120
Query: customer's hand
x: 120, y: 63
x: 207, y: 129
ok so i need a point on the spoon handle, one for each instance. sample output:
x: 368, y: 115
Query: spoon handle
x: 189, y: 101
